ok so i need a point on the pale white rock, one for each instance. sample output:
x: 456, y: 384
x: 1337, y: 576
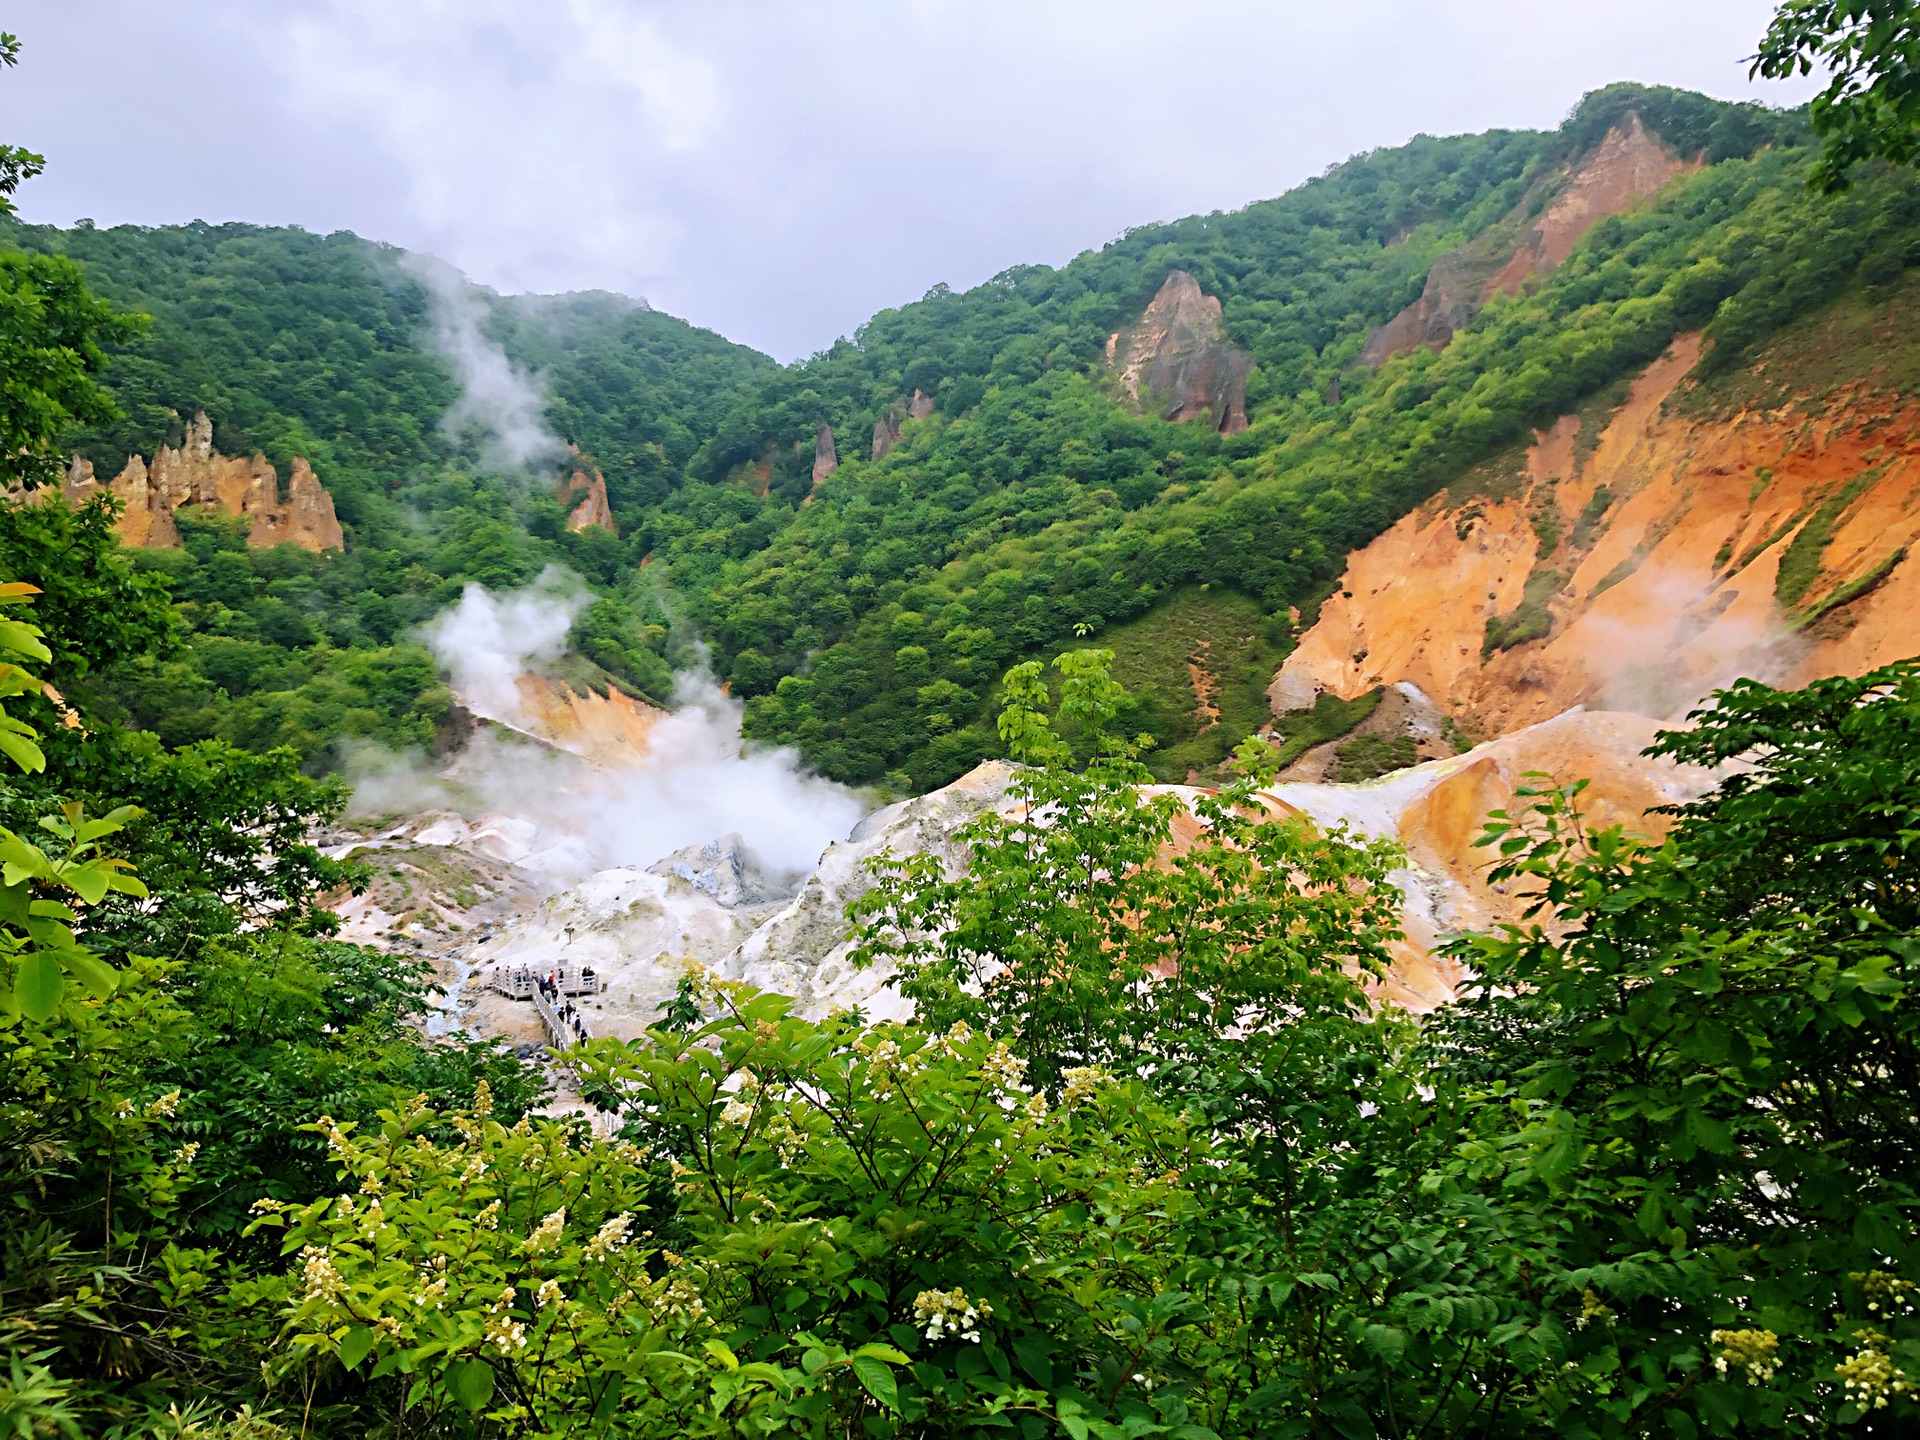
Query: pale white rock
x: 803, y: 949
x: 636, y: 931
x: 447, y: 830
x: 506, y: 838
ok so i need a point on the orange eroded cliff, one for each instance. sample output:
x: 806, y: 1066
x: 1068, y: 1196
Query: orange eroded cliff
x: 586, y: 498
x: 609, y: 729
x: 1630, y: 164
x: 1655, y: 560
x: 195, y: 475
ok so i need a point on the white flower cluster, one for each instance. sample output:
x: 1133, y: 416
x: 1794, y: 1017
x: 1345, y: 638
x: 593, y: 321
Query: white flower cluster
x: 949, y: 1312
x: 336, y: 1137
x: 1082, y: 1082
x: 547, y: 1234
x: 163, y: 1108
x: 434, y: 1291
x: 505, y: 1333
x: 548, y: 1294
x: 883, y: 1068
x: 318, y: 1279
x: 489, y: 1218
x: 741, y: 1104
x: 1887, y: 1293
x: 1003, y: 1067
x: 1869, y: 1377
x: 186, y: 1153
x: 680, y: 1300
x: 786, y: 1137
x: 611, y: 1236
x: 1755, y: 1351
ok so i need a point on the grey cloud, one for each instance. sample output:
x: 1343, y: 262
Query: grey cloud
x: 779, y: 170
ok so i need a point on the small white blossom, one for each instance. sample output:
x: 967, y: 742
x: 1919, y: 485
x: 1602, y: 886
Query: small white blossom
x: 611, y: 1235
x: 1757, y: 1352
x: 949, y: 1312
x: 547, y: 1235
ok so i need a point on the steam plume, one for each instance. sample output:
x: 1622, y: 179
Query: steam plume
x: 487, y: 642
x: 694, y: 781
x: 499, y: 400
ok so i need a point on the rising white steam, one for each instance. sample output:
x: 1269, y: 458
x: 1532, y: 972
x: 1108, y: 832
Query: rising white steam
x: 688, y: 781
x: 501, y: 402
x: 698, y: 783
x: 487, y: 642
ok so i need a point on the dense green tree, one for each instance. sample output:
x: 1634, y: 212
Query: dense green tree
x: 1870, y: 52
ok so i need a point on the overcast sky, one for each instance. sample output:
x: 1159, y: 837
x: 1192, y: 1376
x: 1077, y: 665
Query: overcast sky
x: 780, y: 169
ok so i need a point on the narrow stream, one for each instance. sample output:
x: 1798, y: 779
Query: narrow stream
x: 445, y: 1019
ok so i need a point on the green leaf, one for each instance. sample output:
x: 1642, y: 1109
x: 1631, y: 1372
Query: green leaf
x: 91, y: 971
x: 354, y: 1348
x: 1386, y: 1342
x: 38, y: 985
x: 87, y: 881
x: 1034, y: 1359
x: 876, y: 1378
x: 470, y: 1383
x: 23, y: 752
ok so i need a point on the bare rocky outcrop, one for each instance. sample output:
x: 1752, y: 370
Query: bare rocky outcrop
x: 886, y: 430
x: 1176, y: 361
x: 1663, y: 578
x: 585, y: 490
x: 1630, y: 165
x: 713, y: 906
x: 196, y: 475
x: 826, y: 459
x: 1454, y: 290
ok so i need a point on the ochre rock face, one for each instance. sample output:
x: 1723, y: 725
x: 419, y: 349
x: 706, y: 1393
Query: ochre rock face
x: 826, y: 459
x: 588, y: 497
x: 1670, y: 584
x: 886, y: 430
x: 1177, y: 362
x: 1629, y: 165
x: 196, y: 475
x: 610, y: 729
x: 1448, y: 302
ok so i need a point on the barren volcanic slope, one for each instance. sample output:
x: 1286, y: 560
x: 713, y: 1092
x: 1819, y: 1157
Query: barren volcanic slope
x: 1636, y: 555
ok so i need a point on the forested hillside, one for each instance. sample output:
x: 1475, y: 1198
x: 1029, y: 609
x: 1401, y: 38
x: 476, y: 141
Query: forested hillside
x: 1032, y: 504
x: 297, y: 344
x: 864, y: 610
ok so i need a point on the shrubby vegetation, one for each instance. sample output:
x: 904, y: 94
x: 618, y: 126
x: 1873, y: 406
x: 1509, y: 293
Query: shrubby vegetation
x: 1149, y: 1161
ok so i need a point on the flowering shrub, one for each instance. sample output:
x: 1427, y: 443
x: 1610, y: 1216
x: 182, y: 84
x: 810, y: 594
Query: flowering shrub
x: 844, y: 1188
x: 504, y: 1271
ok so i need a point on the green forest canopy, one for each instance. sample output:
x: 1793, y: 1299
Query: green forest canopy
x: 865, y: 625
